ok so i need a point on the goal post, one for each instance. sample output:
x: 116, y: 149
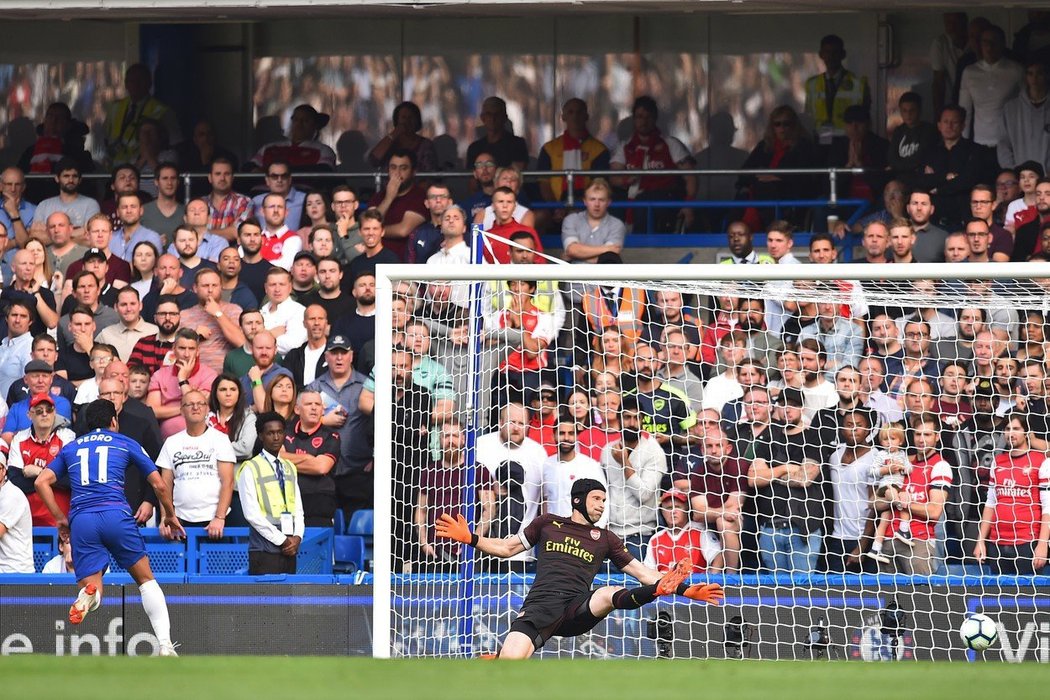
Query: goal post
x: 776, y: 608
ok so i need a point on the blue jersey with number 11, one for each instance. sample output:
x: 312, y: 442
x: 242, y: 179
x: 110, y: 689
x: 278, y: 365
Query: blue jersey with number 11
x: 96, y: 463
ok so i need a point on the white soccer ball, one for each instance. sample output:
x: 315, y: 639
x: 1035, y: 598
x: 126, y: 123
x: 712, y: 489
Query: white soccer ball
x: 978, y: 631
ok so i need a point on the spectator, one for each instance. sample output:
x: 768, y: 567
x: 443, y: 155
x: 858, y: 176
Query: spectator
x: 666, y: 413
x: 649, y: 149
x: 923, y: 497
x: 340, y: 389
x: 442, y: 490
x: 505, y: 226
x: 253, y: 266
x: 889, y: 467
x: 954, y: 165
x: 840, y: 338
x: 229, y: 413
x: 272, y: 503
x: 1027, y: 235
x: 314, y: 450
x: 859, y: 148
x: 563, y: 467
x: 830, y: 93
x: 16, y: 348
x: 1022, y: 209
x: 307, y: 362
x: 279, y: 242
x: 282, y: 316
x: 74, y: 362
x: 264, y: 370
x: 787, y: 488
x: 44, y: 349
x: 817, y: 391
x: 426, y: 239
x: 64, y: 251
x: 227, y: 209
x: 678, y: 373
x: 499, y: 141
x: 100, y: 357
x: 304, y: 276
x: 913, y: 139
x: 483, y: 182
x: 375, y: 253
x: 956, y: 247
x: 408, y: 120
x: 850, y: 473
x: 402, y: 203
x: 280, y: 396
x: 575, y: 149
x: 718, y: 490
x: 916, y: 361
x: 32, y: 449
x: 16, y: 528
x: 1022, y: 135
x: 132, y: 231
x: 302, y: 150
x: 209, y: 245
x: 680, y: 538
x: 126, y: 115
x: 215, y: 321
x: 1015, y: 522
x: 99, y: 234
x: 754, y: 425
x: 587, y: 234
x: 279, y: 182
x: 34, y: 292
x: 982, y: 206
x: 359, y: 326
x: 1007, y: 189
x: 986, y: 86
x: 78, y: 208
x: 741, y: 247
x: 131, y: 329
x: 154, y: 351
x: 606, y: 426
x: 511, y: 179
x: 945, y: 53
x: 232, y: 289
x: 634, y: 467
x: 197, y: 464
x: 725, y: 387
x: 171, y: 382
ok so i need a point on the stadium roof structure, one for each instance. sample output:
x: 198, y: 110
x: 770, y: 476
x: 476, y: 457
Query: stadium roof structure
x: 219, y: 10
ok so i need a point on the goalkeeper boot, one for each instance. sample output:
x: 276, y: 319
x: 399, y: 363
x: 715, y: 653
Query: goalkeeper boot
x: 674, y: 578
x: 87, y: 601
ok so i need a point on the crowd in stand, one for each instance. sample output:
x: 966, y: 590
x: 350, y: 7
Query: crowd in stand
x: 769, y: 429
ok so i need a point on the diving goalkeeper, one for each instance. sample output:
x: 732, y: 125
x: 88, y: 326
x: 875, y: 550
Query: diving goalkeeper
x: 569, y: 553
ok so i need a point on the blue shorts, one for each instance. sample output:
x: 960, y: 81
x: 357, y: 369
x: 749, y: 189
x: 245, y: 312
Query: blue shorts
x: 94, y: 536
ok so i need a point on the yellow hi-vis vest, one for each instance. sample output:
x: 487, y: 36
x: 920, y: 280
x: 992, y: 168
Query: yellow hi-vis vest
x: 852, y: 91
x: 122, y: 139
x: 268, y: 488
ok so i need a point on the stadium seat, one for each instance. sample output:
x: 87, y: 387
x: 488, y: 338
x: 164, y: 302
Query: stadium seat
x: 361, y: 525
x: 349, y: 553
x: 339, y: 526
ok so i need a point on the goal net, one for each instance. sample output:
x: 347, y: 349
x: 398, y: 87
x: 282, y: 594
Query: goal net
x: 855, y: 452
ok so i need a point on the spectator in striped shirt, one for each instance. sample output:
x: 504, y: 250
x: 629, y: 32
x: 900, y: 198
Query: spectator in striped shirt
x: 154, y: 351
x: 226, y: 209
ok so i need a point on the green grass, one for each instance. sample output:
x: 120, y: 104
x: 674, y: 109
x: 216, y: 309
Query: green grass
x: 311, y: 678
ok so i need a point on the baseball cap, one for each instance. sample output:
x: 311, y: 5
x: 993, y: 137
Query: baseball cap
x: 94, y: 254
x: 40, y: 398
x: 38, y: 366
x: 984, y: 388
x: 320, y: 118
x: 791, y: 396
x: 676, y: 495
x: 305, y: 254
x: 338, y: 342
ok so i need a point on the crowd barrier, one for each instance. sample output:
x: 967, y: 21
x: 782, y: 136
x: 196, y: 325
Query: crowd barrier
x: 870, y: 618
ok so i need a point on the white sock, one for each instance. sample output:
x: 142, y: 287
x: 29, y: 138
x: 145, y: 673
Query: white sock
x: 157, y: 610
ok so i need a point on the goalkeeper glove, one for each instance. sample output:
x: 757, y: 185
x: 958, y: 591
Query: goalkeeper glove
x: 455, y: 529
x: 710, y: 593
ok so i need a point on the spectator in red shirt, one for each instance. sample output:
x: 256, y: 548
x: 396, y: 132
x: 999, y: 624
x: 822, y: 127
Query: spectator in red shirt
x: 923, y: 497
x: 681, y: 538
x: 32, y: 450
x: 1015, y: 523
x: 606, y: 427
x: 504, y: 200
x: 402, y: 203
x: 544, y: 417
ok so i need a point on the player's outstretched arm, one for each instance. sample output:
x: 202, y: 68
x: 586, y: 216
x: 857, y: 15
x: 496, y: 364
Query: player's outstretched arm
x: 170, y: 525
x: 711, y: 593
x: 457, y: 529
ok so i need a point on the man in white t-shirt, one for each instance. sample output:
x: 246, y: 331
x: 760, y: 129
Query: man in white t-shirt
x: 515, y: 465
x: 197, y: 464
x: 16, y: 528
x: 561, y: 470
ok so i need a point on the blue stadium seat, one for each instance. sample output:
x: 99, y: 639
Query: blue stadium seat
x: 339, y: 526
x: 349, y: 553
x: 362, y: 525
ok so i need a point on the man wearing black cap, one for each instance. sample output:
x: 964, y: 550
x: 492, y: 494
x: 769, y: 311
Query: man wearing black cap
x: 304, y: 276
x: 571, y: 552
x: 38, y: 379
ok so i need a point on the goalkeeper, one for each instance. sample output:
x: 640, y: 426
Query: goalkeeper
x: 570, y: 552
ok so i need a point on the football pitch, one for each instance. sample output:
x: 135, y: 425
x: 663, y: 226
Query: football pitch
x: 231, y: 678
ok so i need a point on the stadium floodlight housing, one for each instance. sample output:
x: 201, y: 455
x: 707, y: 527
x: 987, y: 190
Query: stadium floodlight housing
x: 450, y: 600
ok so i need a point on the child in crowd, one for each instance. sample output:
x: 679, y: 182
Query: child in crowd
x: 681, y: 538
x: 138, y: 382
x: 100, y: 357
x: 889, y: 468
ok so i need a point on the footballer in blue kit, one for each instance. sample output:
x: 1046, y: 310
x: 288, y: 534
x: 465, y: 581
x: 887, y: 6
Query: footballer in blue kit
x: 100, y: 521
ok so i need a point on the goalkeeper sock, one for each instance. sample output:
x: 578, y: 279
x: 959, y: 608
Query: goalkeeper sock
x: 157, y: 610
x: 633, y: 598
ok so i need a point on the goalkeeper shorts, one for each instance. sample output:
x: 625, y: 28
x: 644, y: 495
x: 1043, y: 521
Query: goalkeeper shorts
x: 539, y: 621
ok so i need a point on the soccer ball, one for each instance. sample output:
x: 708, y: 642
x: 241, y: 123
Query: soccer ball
x: 978, y: 631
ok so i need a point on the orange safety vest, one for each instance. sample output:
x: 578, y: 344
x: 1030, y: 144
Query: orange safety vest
x: 627, y: 317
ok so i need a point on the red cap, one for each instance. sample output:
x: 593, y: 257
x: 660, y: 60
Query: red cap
x: 675, y: 494
x: 39, y: 399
